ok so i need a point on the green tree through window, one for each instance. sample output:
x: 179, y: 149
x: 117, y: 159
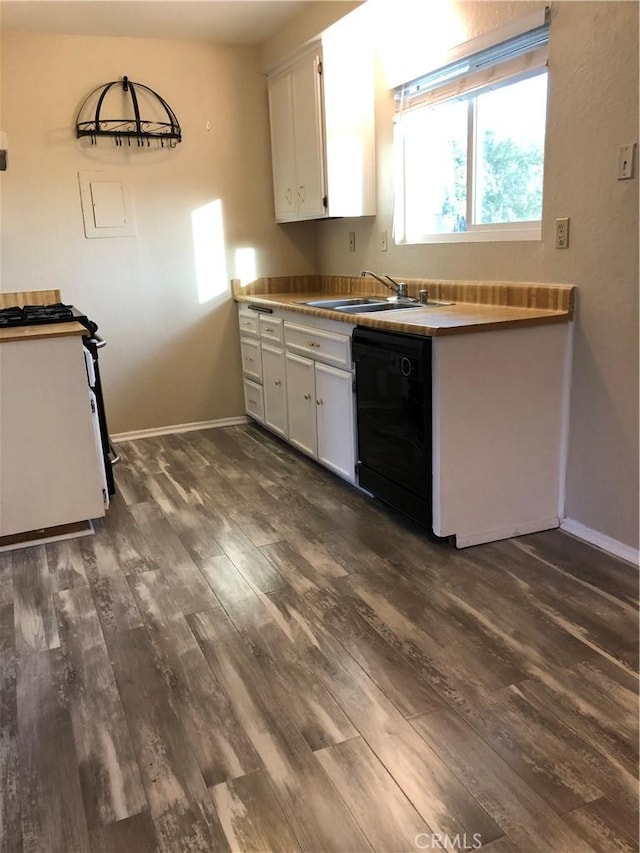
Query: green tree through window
x: 511, y: 181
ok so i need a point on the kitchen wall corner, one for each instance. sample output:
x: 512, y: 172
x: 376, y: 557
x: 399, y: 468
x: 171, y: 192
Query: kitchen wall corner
x: 170, y: 358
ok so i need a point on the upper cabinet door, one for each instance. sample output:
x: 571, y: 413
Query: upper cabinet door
x: 309, y: 136
x: 283, y: 146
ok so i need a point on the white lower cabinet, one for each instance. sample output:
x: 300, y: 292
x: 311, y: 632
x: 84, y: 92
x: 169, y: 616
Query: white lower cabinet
x: 51, y: 474
x: 298, y: 382
x: 334, y: 416
x: 274, y: 386
x: 320, y: 408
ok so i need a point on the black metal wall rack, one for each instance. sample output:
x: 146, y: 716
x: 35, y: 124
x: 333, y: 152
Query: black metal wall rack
x: 120, y: 129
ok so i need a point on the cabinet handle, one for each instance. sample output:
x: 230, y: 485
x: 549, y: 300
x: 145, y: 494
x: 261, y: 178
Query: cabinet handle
x: 247, y: 323
x: 301, y: 193
x: 319, y: 402
x: 253, y: 402
x: 278, y: 381
x: 288, y: 195
x: 313, y: 344
x: 307, y: 396
x: 268, y: 330
x: 248, y: 358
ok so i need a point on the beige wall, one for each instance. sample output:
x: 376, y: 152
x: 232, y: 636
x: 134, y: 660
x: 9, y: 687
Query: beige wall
x: 593, y: 109
x: 169, y: 359
x: 316, y: 16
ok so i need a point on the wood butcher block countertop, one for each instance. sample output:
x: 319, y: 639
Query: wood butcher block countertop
x: 18, y: 298
x: 477, y: 306
x: 45, y: 330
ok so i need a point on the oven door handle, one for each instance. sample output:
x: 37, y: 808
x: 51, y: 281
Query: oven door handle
x: 98, y: 341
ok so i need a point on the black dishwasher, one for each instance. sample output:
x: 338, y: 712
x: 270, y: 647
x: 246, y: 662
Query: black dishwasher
x: 393, y: 393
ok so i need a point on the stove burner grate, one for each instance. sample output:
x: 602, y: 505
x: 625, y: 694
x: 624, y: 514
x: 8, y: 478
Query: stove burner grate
x: 36, y: 314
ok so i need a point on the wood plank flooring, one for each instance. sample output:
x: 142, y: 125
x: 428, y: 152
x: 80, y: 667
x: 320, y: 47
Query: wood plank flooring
x: 250, y: 655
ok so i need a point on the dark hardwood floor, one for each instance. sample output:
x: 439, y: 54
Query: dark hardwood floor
x: 250, y: 655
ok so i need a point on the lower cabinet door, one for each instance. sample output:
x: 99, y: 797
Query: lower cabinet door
x: 253, y: 400
x: 335, y: 420
x: 274, y: 383
x: 301, y: 403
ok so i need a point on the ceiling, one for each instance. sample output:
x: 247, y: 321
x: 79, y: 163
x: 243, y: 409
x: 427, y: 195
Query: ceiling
x: 230, y: 21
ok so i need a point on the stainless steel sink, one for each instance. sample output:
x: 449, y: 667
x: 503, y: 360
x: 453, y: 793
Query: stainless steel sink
x: 377, y: 306
x: 369, y: 304
x: 339, y: 303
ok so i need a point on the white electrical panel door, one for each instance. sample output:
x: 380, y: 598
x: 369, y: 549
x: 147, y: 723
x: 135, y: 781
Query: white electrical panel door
x: 107, y: 206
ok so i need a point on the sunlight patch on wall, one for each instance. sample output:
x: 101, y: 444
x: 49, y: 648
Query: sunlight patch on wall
x: 246, y: 265
x: 209, y: 251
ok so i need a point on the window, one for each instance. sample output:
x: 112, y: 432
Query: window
x: 469, y: 144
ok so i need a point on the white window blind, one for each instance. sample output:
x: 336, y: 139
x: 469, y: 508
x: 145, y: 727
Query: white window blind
x: 475, y: 69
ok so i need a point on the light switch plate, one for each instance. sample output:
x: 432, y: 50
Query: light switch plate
x: 626, y: 164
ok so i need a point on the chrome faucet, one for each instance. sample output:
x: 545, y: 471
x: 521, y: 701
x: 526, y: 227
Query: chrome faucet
x: 397, y: 287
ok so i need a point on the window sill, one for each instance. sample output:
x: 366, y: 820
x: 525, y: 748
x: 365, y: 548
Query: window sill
x: 497, y: 235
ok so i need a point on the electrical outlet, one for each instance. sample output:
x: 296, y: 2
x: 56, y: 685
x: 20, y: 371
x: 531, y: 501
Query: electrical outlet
x: 562, y: 233
x: 383, y: 241
x: 626, y: 156
x: 352, y: 241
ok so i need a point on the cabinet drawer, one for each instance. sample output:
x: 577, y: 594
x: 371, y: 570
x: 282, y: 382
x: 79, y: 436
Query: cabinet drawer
x: 248, y: 322
x: 319, y: 345
x: 253, y: 400
x: 270, y: 329
x: 251, y: 358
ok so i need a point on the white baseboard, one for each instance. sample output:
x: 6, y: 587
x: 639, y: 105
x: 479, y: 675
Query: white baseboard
x: 605, y: 543
x: 170, y: 430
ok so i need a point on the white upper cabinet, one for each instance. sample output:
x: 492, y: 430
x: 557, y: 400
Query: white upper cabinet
x: 321, y: 107
x: 297, y: 140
